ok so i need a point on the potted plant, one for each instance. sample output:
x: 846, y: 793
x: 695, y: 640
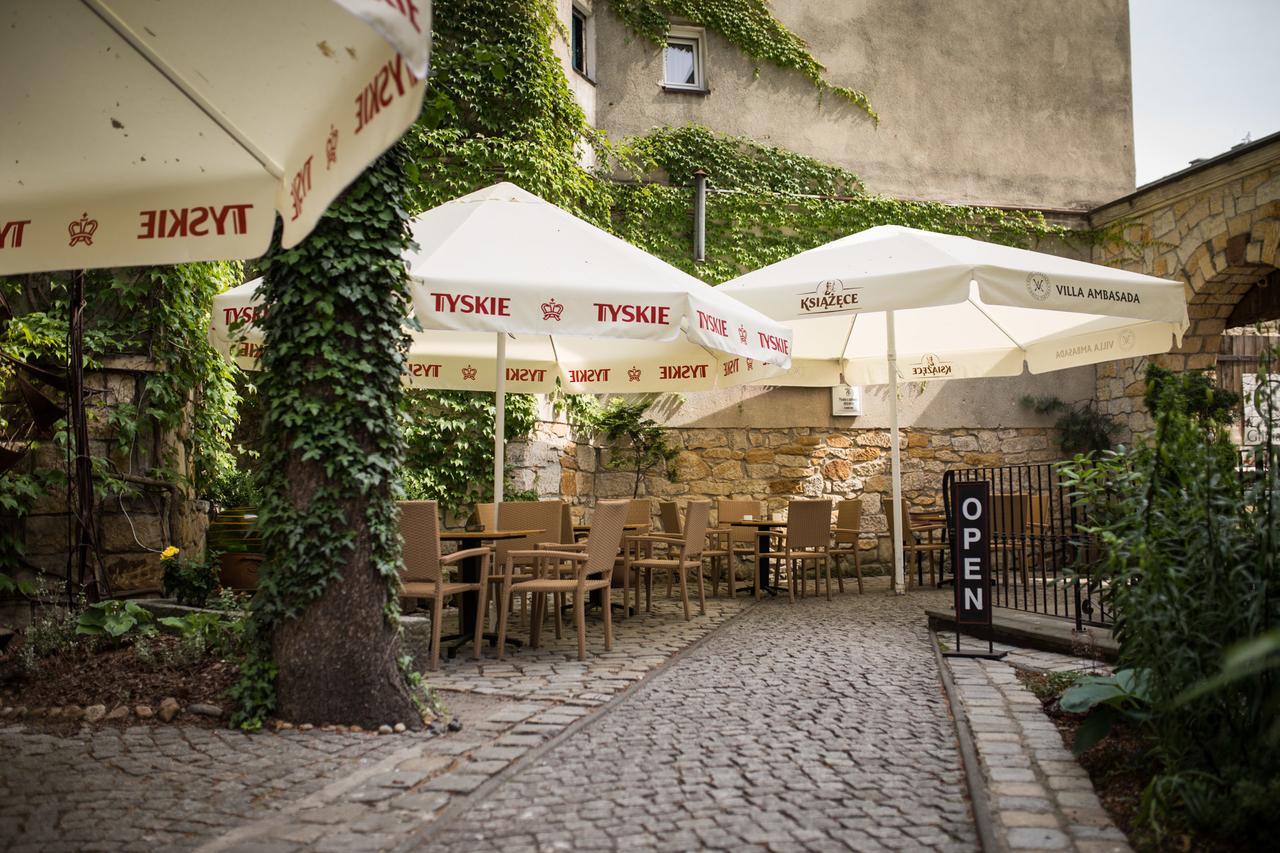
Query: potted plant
x: 234, y: 537
x: 233, y: 534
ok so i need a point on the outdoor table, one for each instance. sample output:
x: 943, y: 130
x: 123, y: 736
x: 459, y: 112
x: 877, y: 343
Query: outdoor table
x: 763, y: 527
x: 469, y: 570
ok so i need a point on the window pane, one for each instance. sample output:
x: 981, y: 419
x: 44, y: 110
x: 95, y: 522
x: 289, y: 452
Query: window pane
x: 579, y: 43
x: 680, y: 59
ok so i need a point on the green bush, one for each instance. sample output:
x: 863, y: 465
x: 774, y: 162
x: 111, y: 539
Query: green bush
x: 115, y: 619
x: 1191, y: 569
x: 190, y: 582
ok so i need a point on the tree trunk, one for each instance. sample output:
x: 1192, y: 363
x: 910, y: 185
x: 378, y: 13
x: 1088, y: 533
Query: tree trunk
x: 333, y: 357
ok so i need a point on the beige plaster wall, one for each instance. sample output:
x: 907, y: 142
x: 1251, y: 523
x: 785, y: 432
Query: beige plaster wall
x: 981, y: 101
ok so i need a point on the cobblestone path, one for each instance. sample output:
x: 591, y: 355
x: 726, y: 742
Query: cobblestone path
x: 818, y: 726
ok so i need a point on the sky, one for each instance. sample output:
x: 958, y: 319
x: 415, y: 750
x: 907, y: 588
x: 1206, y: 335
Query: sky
x: 1205, y: 74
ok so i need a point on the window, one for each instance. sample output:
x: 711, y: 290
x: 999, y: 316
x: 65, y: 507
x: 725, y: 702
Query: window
x: 683, y: 61
x: 579, y: 43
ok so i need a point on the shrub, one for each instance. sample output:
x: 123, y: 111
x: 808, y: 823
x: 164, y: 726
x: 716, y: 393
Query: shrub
x: 190, y: 582
x: 1191, y: 568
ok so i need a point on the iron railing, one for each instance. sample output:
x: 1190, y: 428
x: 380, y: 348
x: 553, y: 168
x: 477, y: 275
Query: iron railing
x: 1042, y: 561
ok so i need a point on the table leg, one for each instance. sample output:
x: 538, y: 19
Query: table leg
x: 469, y: 571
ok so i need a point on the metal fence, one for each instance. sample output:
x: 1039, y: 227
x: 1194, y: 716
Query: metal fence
x: 1042, y: 562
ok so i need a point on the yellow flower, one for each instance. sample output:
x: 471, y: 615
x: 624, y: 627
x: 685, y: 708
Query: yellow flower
x: 169, y: 553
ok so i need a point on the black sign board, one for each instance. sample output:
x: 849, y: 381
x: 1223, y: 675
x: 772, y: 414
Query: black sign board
x: 972, y: 552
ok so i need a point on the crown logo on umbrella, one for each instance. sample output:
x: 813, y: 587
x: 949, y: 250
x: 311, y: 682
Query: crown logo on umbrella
x: 468, y: 373
x: 742, y: 334
x: 633, y: 375
x: 82, y: 230
x: 331, y: 148
x: 551, y: 310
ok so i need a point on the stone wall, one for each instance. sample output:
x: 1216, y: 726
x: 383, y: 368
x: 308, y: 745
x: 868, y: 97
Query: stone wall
x: 777, y: 464
x: 133, y: 527
x: 1216, y: 228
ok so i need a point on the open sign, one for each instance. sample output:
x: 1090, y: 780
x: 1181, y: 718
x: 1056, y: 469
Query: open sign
x: 972, y: 552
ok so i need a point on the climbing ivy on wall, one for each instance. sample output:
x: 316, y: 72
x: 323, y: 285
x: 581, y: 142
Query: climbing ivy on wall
x: 161, y: 313
x: 746, y: 24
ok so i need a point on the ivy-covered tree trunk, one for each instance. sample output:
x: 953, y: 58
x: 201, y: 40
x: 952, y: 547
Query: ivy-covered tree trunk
x: 332, y: 362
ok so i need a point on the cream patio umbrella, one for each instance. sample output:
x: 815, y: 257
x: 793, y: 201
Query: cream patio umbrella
x: 893, y: 303
x: 138, y: 132
x: 513, y: 293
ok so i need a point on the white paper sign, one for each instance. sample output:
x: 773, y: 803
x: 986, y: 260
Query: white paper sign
x: 1255, y: 422
x: 846, y: 400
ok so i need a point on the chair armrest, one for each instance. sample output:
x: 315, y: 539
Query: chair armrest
x: 656, y: 537
x: 854, y: 530
x: 462, y: 555
x: 561, y: 555
x: 559, y: 546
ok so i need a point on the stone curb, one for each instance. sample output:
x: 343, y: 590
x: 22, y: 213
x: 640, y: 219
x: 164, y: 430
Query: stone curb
x: 983, y: 817
x: 421, y: 839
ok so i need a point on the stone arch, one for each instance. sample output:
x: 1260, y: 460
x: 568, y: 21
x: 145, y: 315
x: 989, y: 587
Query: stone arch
x: 1219, y: 272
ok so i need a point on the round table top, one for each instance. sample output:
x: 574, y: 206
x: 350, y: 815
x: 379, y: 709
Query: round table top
x: 484, y: 535
x: 758, y: 522
x: 630, y: 525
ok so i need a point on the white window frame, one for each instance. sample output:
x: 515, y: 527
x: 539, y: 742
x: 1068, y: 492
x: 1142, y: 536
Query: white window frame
x: 698, y: 38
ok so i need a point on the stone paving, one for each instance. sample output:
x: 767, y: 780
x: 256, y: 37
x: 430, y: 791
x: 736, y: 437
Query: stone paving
x: 1040, y: 796
x: 817, y: 726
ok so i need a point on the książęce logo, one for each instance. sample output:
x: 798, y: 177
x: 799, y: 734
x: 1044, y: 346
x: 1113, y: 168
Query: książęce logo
x: 830, y: 295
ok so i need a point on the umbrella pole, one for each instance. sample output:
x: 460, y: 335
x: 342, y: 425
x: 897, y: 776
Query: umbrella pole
x: 499, y: 425
x: 895, y: 456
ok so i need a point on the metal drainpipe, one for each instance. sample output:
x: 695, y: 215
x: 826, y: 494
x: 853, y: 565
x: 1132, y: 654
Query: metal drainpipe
x: 699, y: 216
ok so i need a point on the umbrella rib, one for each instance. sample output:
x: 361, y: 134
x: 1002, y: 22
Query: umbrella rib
x: 122, y: 29
x: 1002, y: 329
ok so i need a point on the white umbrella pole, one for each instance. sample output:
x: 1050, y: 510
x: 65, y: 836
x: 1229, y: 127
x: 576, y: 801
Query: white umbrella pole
x: 499, y: 424
x: 895, y: 456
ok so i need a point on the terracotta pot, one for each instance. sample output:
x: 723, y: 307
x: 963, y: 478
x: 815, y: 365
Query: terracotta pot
x: 240, y: 570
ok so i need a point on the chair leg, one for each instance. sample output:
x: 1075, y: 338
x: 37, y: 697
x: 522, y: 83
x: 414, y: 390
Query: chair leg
x: 608, y: 621
x: 684, y: 590
x: 857, y: 568
x: 580, y: 617
x: 437, y: 616
x: 648, y: 590
x: 702, y: 595
x: 504, y: 607
x: 827, y: 564
x: 792, y: 565
x: 559, y: 605
x: 840, y: 571
x: 482, y: 616
x: 537, y: 605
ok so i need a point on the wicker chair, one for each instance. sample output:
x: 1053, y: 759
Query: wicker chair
x: 691, y: 544
x: 739, y: 543
x: 424, y: 568
x: 911, y: 544
x: 806, y: 539
x: 845, y: 539
x: 576, y: 573
x: 544, y: 516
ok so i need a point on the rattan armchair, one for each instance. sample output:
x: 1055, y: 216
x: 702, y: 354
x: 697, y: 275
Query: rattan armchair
x: 845, y: 539
x: 690, y: 543
x: 911, y: 541
x: 570, y: 572
x: 422, y: 575
x: 806, y: 540
x: 738, y: 543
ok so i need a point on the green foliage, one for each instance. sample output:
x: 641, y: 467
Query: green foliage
x: 331, y: 391
x: 449, y: 443
x: 746, y: 24
x: 8, y: 586
x: 1082, y: 428
x: 1054, y: 684
x: 768, y: 204
x: 52, y: 631
x: 204, y: 634
x: 115, y: 619
x: 190, y: 582
x: 1192, y: 565
x: 158, y: 312
x: 232, y: 485
x: 1107, y: 699
x: 640, y: 443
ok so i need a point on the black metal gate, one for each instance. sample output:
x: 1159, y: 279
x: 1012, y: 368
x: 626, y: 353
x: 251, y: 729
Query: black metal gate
x: 1041, y: 561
